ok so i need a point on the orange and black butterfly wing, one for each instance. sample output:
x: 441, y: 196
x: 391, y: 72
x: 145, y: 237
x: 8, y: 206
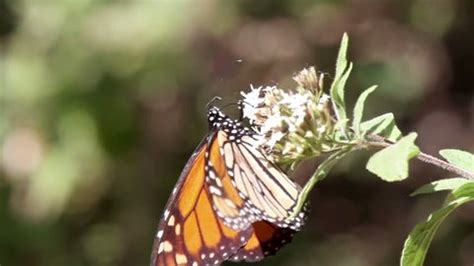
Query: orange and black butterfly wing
x: 190, y: 233
x: 245, y: 206
x: 266, y: 240
x: 268, y: 193
x: 230, y: 205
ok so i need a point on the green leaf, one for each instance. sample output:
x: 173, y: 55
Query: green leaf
x: 339, y: 83
x: 383, y: 125
x: 461, y: 159
x: 341, y: 62
x: 338, y: 135
x: 377, y: 124
x: 392, y: 132
x: 337, y: 97
x: 391, y: 163
x: 359, y: 109
x: 440, y: 185
x: 466, y: 190
x: 418, y: 242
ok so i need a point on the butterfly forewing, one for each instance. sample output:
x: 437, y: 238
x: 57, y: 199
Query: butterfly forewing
x: 190, y: 233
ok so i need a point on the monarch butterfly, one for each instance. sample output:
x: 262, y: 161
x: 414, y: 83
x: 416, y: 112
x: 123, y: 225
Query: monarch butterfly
x: 230, y: 202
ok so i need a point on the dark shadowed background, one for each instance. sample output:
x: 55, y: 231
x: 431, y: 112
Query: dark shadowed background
x: 102, y: 102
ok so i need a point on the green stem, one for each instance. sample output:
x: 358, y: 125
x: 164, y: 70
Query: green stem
x: 320, y: 173
x: 378, y: 141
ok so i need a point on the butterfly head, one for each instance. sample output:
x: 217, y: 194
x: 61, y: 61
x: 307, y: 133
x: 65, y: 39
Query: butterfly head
x: 220, y: 121
x: 216, y: 118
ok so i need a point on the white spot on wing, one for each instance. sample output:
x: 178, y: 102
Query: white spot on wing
x: 160, y: 248
x: 212, y: 175
x: 229, y: 203
x: 167, y: 247
x: 181, y: 259
x: 159, y: 234
x: 177, y: 229
x: 171, y: 221
x: 215, y: 190
x: 218, y: 182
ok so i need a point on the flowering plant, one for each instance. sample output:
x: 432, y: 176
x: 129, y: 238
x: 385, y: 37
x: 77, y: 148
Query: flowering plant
x: 306, y: 122
x: 293, y: 125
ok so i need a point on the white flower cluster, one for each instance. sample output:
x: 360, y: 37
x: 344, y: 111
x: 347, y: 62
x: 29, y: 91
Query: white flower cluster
x: 293, y: 125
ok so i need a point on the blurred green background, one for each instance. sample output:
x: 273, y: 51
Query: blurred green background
x: 102, y: 102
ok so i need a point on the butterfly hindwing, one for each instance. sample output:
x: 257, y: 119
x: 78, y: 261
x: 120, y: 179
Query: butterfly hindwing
x: 266, y: 240
x: 268, y: 193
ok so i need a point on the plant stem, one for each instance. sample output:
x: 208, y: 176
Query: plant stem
x: 378, y: 141
x: 321, y: 172
x: 444, y: 165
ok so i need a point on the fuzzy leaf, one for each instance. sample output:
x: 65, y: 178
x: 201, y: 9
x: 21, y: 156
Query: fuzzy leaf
x: 339, y: 83
x: 466, y: 190
x: 391, y: 163
x: 341, y: 62
x: 440, y: 185
x: 359, y: 109
x: 418, y: 242
x: 461, y: 159
x: 383, y: 125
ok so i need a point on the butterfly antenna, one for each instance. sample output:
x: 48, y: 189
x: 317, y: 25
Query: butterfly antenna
x: 240, y: 106
x: 216, y: 98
